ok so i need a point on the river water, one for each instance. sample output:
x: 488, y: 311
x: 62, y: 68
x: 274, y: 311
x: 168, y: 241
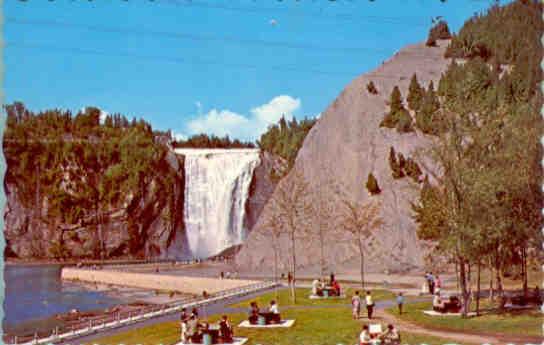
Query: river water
x: 35, y: 293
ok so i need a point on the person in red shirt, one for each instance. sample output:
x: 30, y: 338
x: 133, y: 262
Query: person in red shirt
x: 336, y: 287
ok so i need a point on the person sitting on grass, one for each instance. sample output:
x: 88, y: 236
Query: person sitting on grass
x: 336, y: 288
x: 193, y: 331
x: 275, y: 312
x: 315, y: 287
x: 364, y: 337
x: 391, y: 336
x: 439, y: 304
x: 225, y: 330
x: 253, y: 313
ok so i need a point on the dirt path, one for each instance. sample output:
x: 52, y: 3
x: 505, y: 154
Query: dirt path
x: 475, y: 338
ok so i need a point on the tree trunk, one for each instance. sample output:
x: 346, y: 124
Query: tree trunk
x: 498, y: 276
x: 99, y: 231
x: 491, y: 292
x: 465, y: 290
x: 457, y: 276
x: 294, y: 259
x: 524, y: 271
x: 478, y: 289
x: 362, y: 253
x: 37, y: 196
x: 276, y: 271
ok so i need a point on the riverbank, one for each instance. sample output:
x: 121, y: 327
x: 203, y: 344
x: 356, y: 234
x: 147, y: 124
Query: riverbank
x: 71, y: 262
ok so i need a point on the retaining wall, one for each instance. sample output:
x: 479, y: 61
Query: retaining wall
x: 191, y: 285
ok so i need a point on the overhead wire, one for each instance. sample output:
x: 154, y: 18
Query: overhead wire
x: 192, y: 36
x: 178, y: 60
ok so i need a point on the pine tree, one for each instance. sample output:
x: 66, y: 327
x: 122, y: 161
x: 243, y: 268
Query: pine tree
x: 426, y: 117
x: 372, y: 185
x: 398, y: 117
x: 412, y: 169
x: 371, y: 88
x: 415, y: 93
x: 395, y: 102
x: 396, y: 170
x: 403, y: 121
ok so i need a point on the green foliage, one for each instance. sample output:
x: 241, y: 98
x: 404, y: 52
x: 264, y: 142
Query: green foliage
x: 486, y: 203
x: 428, y: 116
x: 372, y: 185
x: 395, y: 102
x: 511, y: 35
x: 286, y: 138
x: 403, y: 121
x: 415, y: 93
x: 396, y: 170
x: 371, y: 88
x: 401, y: 167
x: 80, y: 168
x: 398, y: 117
x: 207, y: 141
x: 412, y: 169
x: 440, y: 31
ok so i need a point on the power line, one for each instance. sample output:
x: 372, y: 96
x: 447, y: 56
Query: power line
x: 178, y: 60
x: 267, y: 10
x: 189, y: 36
x: 196, y: 37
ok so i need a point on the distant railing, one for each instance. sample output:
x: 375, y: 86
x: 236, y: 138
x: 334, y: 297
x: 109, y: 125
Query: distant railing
x: 115, y: 320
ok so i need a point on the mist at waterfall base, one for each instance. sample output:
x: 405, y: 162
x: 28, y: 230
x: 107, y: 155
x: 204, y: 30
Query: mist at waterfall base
x: 217, y: 184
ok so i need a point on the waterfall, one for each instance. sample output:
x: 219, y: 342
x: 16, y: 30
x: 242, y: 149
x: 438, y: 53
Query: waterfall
x: 216, y: 189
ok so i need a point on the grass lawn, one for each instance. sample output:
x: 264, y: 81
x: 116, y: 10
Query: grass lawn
x: 527, y: 322
x: 315, y: 326
x: 284, y: 298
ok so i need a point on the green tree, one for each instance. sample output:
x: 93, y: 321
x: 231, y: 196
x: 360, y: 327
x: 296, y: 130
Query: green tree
x: 415, y: 93
x: 372, y: 185
x: 371, y: 88
x: 396, y: 170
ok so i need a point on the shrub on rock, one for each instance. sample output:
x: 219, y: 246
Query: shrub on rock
x: 372, y: 185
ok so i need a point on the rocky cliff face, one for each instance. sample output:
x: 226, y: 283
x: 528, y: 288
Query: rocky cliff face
x: 346, y: 145
x: 142, y: 226
x: 150, y: 225
x: 262, y: 186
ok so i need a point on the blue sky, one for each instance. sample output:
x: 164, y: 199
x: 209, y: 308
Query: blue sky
x: 216, y: 66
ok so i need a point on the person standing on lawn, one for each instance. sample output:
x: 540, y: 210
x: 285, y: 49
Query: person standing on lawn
x: 400, y: 302
x: 431, y: 283
x: 437, y: 284
x: 369, y: 305
x: 356, y: 304
x: 183, y: 324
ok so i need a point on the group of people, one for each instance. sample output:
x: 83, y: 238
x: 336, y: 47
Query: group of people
x: 333, y: 287
x: 390, y: 336
x: 271, y: 316
x: 434, y: 284
x: 192, y: 330
x: 356, y: 305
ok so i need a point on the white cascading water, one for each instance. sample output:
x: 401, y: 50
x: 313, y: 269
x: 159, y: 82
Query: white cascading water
x: 216, y: 189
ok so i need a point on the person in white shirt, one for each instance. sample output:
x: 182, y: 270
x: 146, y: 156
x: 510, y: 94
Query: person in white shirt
x: 315, y: 286
x: 274, y: 307
x: 356, y: 304
x: 369, y: 304
x: 274, y: 313
x: 364, y: 337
